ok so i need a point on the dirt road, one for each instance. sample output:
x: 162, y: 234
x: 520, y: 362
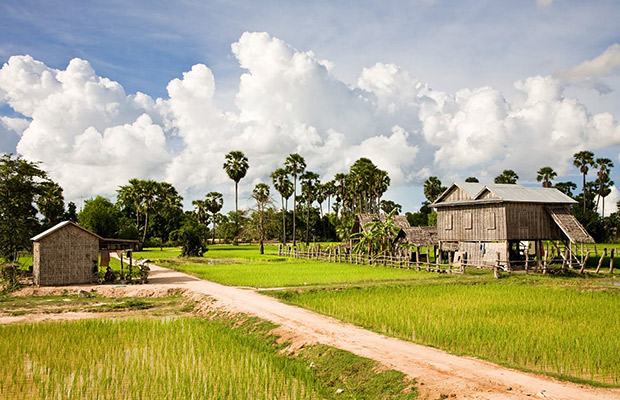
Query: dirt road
x: 439, y: 374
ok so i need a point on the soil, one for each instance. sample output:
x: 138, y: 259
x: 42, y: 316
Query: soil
x: 439, y: 375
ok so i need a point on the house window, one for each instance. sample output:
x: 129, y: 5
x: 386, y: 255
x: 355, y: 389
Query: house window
x: 468, y: 220
x: 449, y: 222
x: 491, y: 220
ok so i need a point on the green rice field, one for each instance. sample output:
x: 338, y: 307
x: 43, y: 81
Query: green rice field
x: 174, y: 358
x: 243, y: 266
x: 544, y: 326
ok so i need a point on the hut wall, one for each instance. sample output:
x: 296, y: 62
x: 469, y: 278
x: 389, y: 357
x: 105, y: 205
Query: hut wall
x: 457, y: 194
x: 484, y: 254
x: 530, y: 221
x: 65, y: 257
x: 486, y: 222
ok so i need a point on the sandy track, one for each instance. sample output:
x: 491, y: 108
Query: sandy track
x: 437, y: 372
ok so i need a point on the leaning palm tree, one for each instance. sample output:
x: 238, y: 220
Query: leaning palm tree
x: 236, y: 166
x: 583, y: 160
x: 604, y: 166
x: 295, y: 165
x: 284, y: 186
x: 546, y: 175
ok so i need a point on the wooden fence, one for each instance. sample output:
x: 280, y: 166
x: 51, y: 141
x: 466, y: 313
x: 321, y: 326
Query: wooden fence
x: 559, y: 256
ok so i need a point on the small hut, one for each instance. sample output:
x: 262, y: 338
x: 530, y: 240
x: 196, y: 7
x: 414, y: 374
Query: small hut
x: 65, y: 254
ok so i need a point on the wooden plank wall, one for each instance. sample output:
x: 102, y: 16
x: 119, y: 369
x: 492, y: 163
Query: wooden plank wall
x: 530, y: 221
x: 485, y: 222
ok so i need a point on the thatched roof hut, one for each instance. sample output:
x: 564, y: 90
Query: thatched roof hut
x: 65, y: 254
x: 418, y: 236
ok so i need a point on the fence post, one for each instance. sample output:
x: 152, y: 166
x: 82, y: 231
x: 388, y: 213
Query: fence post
x: 600, y: 260
x: 584, y: 262
x: 611, y: 261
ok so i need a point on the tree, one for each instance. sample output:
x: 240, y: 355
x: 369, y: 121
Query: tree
x: 51, y: 204
x: 294, y: 165
x: 100, y: 216
x: 546, y: 175
x: 387, y: 206
x: 309, y: 184
x: 604, y: 166
x: 71, y: 213
x: 284, y: 186
x: 236, y: 166
x: 214, y: 203
x: 433, y: 188
x: 566, y: 187
x: 472, y: 179
x: 508, y: 176
x: 261, y: 195
x: 583, y: 160
x: 20, y: 185
x: 191, y: 237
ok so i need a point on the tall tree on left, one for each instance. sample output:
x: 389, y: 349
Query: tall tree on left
x: 236, y: 166
x: 21, y: 183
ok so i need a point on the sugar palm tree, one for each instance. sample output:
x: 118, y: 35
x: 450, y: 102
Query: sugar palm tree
x: 583, y: 160
x: 546, y: 175
x: 507, y: 176
x: 294, y: 165
x: 236, y: 166
x: 433, y: 188
x: 214, y: 203
x: 604, y: 166
x: 261, y: 195
x: 309, y: 184
x: 284, y: 186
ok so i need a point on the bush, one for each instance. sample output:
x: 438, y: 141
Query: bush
x: 191, y: 238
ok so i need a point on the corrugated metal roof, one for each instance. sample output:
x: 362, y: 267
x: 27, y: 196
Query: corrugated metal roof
x: 60, y: 226
x: 518, y: 193
x: 471, y: 188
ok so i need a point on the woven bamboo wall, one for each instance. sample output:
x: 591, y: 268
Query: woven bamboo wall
x: 66, y: 256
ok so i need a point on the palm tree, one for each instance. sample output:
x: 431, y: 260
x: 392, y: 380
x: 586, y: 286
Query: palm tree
x: 472, y: 179
x: 604, y: 166
x: 309, y: 184
x: 433, y: 188
x: 507, y: 176
x: 236, y: 166
x: 380, y: 184
x: 200, y: 207
x: 566, y: 187
x: 583, y: 160
x: 214, y: 203
x: 295, y: 165
x: 546, y: 175
x: 261, y: 195
x: 284, y: 186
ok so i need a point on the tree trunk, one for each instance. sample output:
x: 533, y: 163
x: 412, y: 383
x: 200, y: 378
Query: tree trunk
x: 294, y: 205
x: 283, y: 222
x: 236, y: 241
x: 146, y: 224
x: 308, y: 226
x: 584, y: 193
x: 213, y: 233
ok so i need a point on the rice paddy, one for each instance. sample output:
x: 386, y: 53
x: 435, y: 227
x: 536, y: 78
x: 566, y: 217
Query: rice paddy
x: 167, y: 358
x: 562, y: 330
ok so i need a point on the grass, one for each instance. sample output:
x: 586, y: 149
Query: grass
x: 554, y: 327
x: 179, y: 357
x: 243, y: 266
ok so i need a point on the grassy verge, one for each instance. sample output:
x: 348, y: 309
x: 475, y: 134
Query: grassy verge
x: 179, y: 357
x: 543, y: 325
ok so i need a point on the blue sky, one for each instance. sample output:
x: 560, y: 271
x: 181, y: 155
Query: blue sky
x: 443, y: 47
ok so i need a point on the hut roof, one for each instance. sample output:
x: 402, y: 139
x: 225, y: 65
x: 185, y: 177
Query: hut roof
x: 575, y: 232
x: 419, y: 235
x: 58, y: 227
x: 361, y: 220
x: 495, y: 193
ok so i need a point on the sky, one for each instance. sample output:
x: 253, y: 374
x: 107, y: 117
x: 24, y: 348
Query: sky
x: 102, y: 92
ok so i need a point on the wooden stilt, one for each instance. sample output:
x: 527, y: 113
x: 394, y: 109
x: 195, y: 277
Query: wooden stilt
x: 600, y: 260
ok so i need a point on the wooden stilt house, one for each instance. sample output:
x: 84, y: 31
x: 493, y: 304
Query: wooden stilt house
x: 506, y: 225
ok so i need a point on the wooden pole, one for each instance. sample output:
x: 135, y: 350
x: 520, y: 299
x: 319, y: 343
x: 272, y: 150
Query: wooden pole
x: 611, y: 261
x: 417, y: 258
x: 600, y: 260
x: 584, y: 262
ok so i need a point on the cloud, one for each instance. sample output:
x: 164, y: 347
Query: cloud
x: 604, y: 64
x: 544, y: 3
x: 93, y: 137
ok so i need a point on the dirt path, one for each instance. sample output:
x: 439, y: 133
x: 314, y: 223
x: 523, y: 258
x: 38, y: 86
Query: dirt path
x: 437, y: 372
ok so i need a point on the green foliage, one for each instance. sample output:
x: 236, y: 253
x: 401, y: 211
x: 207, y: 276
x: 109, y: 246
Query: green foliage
x: 433, y: 188
x: 472, y: 179
x: 51, y: 204
x: 420, y: 218
x: 9, y: 280
x: 191, y: 236
x: 387, y: 206
x: 508, y: 176
x: 100, y: 216
x: 21, y: 182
